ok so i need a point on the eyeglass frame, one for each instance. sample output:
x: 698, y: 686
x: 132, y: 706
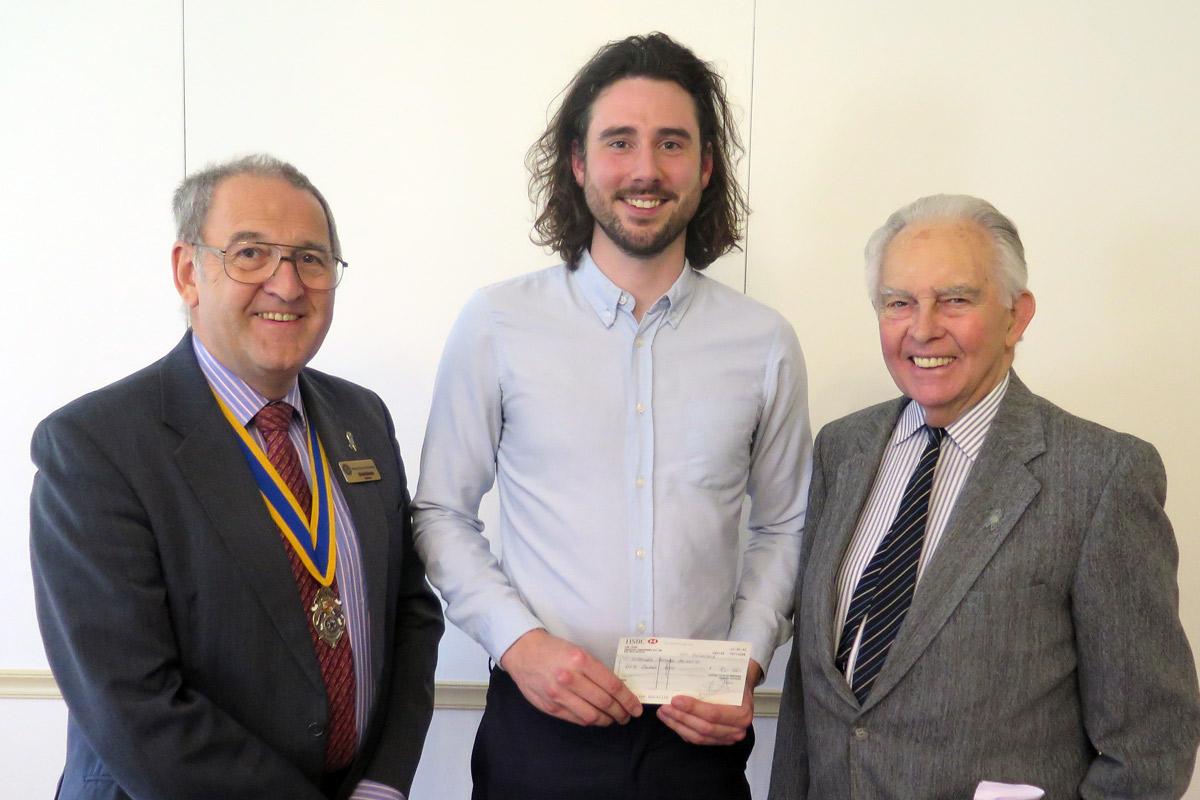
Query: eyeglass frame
x: 338, y: 262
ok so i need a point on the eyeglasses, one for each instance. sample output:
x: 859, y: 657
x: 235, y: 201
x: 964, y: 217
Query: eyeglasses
x: 255, y: 262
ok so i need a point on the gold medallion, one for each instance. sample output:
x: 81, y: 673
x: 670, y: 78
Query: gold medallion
x: 327, y: 617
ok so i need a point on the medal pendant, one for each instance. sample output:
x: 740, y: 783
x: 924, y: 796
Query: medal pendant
x: 327, y: 617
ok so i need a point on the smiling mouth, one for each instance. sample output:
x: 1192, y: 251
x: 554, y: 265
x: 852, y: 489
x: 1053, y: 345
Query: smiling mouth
x: 929, y: 362
x: 277, y: 316
x: 644, y: 202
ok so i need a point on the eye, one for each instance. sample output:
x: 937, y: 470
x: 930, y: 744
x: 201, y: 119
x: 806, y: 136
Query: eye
x: 311, y: 258
x: 248, y: 251
x: 618, y: 144
x: 672, y: 145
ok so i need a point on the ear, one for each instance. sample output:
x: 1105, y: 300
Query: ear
x: 1022, y: 312
x: 578, y: 162
x: 706, y: 165
x: 184, y: 271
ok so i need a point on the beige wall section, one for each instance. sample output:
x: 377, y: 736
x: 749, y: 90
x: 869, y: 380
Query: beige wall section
x: 1078, y: 119
x: 90, y: 147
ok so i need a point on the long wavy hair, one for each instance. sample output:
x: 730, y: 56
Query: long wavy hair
x: 564, y: 223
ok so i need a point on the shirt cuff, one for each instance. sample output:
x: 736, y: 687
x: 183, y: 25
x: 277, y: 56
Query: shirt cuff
x: 762, y: 628
x: 370, y: 790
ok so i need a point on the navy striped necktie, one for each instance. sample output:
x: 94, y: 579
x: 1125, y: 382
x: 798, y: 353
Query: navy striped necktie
x: 885, y: 591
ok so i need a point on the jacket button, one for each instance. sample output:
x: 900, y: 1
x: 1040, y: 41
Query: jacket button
x: 860, y: 733
x: 316, y: 730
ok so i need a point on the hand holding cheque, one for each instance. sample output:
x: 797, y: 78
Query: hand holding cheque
x: 706, y: 687
x: 564, y: 680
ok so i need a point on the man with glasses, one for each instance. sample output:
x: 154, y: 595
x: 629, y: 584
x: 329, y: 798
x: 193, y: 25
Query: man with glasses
x: 221, y: 543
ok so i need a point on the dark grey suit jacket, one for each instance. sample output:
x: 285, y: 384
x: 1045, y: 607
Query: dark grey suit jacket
x: 169, y: 611
x: 1043, y: 645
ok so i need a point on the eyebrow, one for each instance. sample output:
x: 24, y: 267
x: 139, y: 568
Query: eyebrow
x: 961, y: 289
x: 940, y: 291
x: 629, y: 130
x: 255, y: 236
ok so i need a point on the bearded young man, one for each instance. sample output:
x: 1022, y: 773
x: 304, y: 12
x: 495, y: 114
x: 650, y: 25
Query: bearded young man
x: 625, y: 405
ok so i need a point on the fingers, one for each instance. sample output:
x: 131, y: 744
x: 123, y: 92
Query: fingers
x: 565, y: 681
x: 587, y: 702
x: 622, y: 702
x: 707, y: 723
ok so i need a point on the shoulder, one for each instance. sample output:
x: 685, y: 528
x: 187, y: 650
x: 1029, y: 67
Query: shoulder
x: 530, y: 287
x: 1093, y: 449
x: 130, y: 398
x: 521, y: 297
x: 1063, y: 431
x: 879, y: 417
x: 753, y: 327
x: 715, y: 296
x: 349, y: 398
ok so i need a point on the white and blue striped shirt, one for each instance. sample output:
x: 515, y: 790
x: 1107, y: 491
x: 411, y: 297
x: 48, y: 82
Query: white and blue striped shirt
x: 965, y: 437
x: 244, y: 402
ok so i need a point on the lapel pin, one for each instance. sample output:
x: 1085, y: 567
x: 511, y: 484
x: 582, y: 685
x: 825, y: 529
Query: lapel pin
x: 350, y: 441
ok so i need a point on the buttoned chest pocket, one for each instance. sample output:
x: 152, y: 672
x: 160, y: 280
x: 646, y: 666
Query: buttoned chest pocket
x: 717, y: 440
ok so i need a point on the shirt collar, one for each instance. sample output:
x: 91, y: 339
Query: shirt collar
x: 605, y: 297
x: 243, y: 400
x: 967, y: 432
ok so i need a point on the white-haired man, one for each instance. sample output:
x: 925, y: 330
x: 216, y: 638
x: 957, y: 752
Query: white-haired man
x: 988, y: 584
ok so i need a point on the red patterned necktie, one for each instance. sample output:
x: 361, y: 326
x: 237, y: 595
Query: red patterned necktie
x: 337, y: 664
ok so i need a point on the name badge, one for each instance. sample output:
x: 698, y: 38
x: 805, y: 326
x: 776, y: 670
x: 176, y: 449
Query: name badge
x: 360, y: 471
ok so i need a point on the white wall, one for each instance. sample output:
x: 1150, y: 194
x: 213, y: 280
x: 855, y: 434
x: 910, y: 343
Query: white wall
x: 1080, y: 120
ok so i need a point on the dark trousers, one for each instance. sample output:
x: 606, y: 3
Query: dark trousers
x: 522, y: 754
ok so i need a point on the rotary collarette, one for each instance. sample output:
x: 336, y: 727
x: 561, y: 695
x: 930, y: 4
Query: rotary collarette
x: 312, y: 535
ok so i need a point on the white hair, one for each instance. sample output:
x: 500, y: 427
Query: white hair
x: 1010, y: 269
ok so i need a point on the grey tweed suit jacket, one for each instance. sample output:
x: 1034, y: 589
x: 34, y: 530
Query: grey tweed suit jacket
x: 169, y: 611
x: 1043, y: 645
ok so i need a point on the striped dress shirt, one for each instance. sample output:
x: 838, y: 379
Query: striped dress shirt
x: 964, y: 438
x: 245, y: 402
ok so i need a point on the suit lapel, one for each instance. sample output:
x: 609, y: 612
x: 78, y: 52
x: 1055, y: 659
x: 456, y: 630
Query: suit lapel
x: 843, y: 505
x: 996, y: 494
x: 212, y: 462
x: 366, y: 506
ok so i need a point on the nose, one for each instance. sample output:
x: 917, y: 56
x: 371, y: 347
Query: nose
x: 645, y: 165
x: 284, y: 282
x: 927, y: 322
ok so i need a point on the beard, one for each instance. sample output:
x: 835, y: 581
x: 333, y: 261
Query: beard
x: 645, y: 242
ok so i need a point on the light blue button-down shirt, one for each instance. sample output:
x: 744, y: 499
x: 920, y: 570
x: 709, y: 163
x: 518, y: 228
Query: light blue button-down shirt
x: 623, y: 451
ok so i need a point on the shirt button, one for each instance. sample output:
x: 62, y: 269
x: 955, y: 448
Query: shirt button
x: 640, y: 552
x: 640, y: 408
x: 638, y: 342
x: 641, y: 627
x: 640, y: 482
x: 622, y: 300
x: 860, y: 733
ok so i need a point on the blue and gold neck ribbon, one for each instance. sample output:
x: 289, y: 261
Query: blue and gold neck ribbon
x: 312, y: 535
